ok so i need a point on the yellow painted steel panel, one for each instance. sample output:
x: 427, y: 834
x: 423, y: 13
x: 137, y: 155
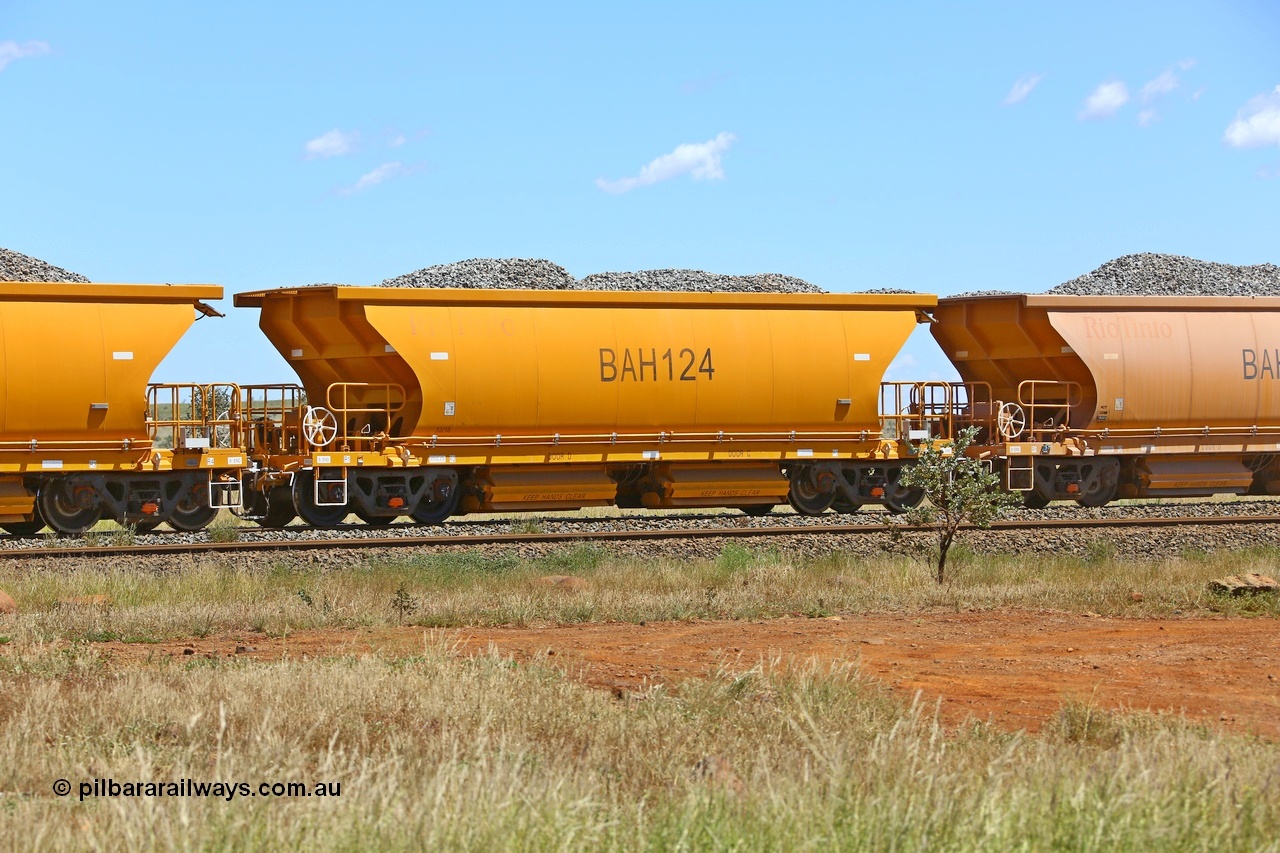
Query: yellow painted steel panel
x: 510, y: 371
x: 591, y: 298
x: 1002, y: 340
x: 60, y: 291
x: 516, y: 488
x: 76, y: 369
x: 519, y: 370
x: 16, y: 504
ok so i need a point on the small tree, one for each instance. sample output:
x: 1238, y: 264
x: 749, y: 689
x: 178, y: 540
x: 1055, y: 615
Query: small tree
x: 957, y: 489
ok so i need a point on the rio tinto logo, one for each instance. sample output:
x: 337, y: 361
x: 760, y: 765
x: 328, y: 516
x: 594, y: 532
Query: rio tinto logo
x: 1104, y: 327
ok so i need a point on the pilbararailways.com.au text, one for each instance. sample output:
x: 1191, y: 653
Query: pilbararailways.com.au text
x: 190, y: 788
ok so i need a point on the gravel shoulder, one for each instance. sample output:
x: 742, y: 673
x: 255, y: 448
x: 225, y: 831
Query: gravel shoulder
x: 1144, y: 543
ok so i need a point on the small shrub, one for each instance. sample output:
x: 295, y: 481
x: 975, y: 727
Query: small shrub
x: 734, y: 557
x: 1099, y: 551
x: 959, y: 489
x: 403, y: 603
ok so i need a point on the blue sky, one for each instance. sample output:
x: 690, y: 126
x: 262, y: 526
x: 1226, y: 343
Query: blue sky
x: 936, y: 147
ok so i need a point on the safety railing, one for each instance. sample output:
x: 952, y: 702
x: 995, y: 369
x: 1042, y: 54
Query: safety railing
x: 1042, y: 408
x: 1045, y: 409
x: 272, y: 418
x: 356, y: 417
x: 191, y: 416
x: 918, y: 411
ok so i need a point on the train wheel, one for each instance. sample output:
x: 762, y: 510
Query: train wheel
x: 845, y: 507
x: 192, y: 520
x: 304, y: 503
x: 67, y: 510
x: 1035, y: 500
x: 757, y: 510
x: 1100, y: 484
x: 375, y: 520
x: 899, y: 499
x: 1100, y: 496
x: 436, y: 511
x: 26, y: 529
x: 279, y: 509
x: 192, y: 513
x: 807, y: 499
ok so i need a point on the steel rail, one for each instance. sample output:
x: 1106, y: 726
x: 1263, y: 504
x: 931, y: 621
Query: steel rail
x: 355, y: 543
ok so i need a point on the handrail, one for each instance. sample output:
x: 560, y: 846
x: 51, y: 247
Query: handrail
x: 351, y: 434
x: 212, y: 414
x: 1160, y: 432
x: 346, y: 388
x: 37, y: 445
x: 655, y: 440
x: 272, y: 417
x: 919, y: 409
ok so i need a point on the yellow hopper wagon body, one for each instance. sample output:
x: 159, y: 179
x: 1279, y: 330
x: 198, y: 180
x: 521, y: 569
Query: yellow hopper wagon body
x: 428, y: 402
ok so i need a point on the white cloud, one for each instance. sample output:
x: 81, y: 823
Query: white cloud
x: 1162, y: 85
x: 397, y: 140
x: 1257, y: 123
x: 335, y: 143
x: 1147, y: 117
x: 380, y: 175
x: 699, y: 160
x: 1187, y: 64
x: 1105, y: 100
x: 1022, y: 88
x: 11, y: 50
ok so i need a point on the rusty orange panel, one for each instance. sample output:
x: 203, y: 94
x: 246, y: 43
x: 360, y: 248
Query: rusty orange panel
x: 1142, y: 362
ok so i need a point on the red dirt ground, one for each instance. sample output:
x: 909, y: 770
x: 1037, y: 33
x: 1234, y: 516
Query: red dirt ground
x: 1014, y: 667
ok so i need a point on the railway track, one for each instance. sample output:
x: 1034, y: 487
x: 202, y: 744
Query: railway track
x: 581, y: 536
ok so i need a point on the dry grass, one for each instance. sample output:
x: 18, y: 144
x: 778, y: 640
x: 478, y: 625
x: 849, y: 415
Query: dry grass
x: 202, y: 597
x: 437, y: 752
